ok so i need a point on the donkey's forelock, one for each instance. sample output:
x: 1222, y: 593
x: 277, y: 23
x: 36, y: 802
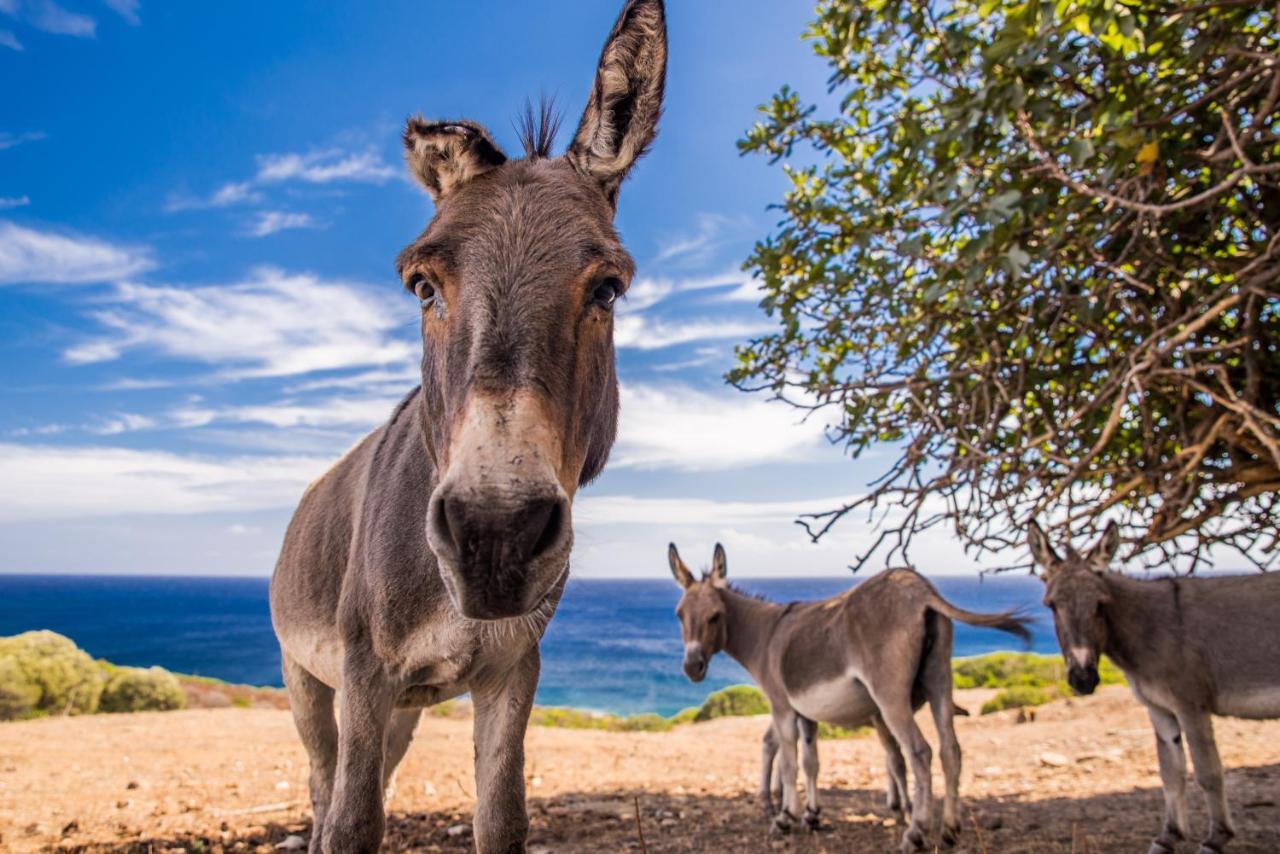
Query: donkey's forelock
x: 538, y: 128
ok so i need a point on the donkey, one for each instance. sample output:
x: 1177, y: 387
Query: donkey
x: 872, y: 655
x: 427, y: 562
x: 1189, y: 647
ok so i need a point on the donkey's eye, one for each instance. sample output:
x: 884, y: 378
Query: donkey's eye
x: 606, y: 292
x: 715, y: 618
x: 423, y: 289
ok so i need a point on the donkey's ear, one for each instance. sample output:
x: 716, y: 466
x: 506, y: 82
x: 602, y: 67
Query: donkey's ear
x: 1105, y: 549
x: 445, y: 155
x: 622, y: 112
x: 1041, y: 552
x: 681, y: 572
x: 719, y: 566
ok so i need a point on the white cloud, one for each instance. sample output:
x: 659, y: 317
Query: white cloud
x: 46, y: 482
x: 269, y: 222
x: 236, y: 193
x: 49, y: 16
x: 698, y: 246
x: 324, y: 167
x: 127, y: 9
x: 30, y: 256
x: 274, y: 324
x: 642, y: 332
x: 125, y: 422
x: 9, y: 40
x: 678, y: 427
x: 14, y: 201
x: 12, y: 140
x: 361, y: 413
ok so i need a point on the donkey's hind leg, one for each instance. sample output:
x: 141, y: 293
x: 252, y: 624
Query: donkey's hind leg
x: 894, y: 702
x: 895, y: 767
x: 809, y: 761
x: 399, y: 736
x: 312, y: 704
x: 935, y: 676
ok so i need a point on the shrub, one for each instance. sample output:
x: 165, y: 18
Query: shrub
x: 685, y: 716
x: 1019, y: 696
x: 556, y: 716
x: 45, y: 673
x: 734, y: 701
x: 137, y: 689
x: 826, y: 730
x: 1012, y: 669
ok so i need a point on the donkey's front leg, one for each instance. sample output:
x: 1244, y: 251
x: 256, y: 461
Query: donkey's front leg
x: 1198, y: 727
x: 809, y: 760
x: 785, y: 726
x: 1173, y: 776
x: 502, y: 702
x: 768, y: 752
x: 355, y: 822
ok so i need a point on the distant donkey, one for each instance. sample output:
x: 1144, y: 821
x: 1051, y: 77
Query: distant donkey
x: 1189, y: 647
x: 872, y: 655
x: 427, y: 562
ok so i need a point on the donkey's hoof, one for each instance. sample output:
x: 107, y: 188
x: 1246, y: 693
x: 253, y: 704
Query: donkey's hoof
x: 782, y: 823
x: 912, y: 840
x: 1158, y: 847
x: 950, y: 835
x: 1208, y: 847
x: 812, y: 822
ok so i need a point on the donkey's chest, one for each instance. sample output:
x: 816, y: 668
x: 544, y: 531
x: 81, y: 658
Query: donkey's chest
x: 439, y: 662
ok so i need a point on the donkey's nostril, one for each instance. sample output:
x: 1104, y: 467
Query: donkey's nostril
x: 543, y: 523
x: 447, y: 516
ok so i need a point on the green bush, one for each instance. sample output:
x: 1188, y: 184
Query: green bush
x: 45, y: 673
x: 734, y: 701
x: 1013, y: 669
x: 137, y: 689
x: 826, y: 730
x: 685, y: 716
x: 556, y: 716
x: 1019, y: 696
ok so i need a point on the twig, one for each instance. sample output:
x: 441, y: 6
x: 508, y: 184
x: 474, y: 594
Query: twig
x: 280, y: 807
x: 639, y: 827
x: 977, y: 832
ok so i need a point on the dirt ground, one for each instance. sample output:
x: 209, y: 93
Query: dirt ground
x: 1081, y: 777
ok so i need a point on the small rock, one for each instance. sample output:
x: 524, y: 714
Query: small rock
x: 132, y: 784
x: 1053, y: 760
x: 536, y: 781
x: 283, y: 785
x: 668, y: 822
x: 292, y: 842
x: 458, y: 830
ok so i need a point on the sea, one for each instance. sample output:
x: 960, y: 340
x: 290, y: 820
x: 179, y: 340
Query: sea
x: 613, y: 645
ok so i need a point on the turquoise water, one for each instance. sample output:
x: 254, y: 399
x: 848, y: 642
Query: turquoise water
x: 614, y: 645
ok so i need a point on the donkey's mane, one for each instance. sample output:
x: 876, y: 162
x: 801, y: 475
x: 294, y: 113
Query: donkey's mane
x: 538, y: 127
x: 736, y: 589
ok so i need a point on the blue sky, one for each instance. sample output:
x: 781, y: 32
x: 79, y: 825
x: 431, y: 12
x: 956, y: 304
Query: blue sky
x: 200, y: 204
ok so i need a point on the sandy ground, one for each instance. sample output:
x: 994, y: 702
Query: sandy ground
x: 1082, y: 777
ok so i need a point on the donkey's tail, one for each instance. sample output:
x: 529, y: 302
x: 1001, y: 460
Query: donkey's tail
x: 1013, y: 622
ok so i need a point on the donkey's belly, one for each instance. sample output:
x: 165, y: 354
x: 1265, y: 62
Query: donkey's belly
x: 842, y: 700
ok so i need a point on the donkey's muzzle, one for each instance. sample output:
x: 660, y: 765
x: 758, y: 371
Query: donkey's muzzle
x: 1083, y: 680
x: 695, y: 666
x: 501, y: 551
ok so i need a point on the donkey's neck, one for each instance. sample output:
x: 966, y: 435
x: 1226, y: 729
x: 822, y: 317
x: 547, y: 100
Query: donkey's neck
x: 1140, y: 617
x: 750, y: 624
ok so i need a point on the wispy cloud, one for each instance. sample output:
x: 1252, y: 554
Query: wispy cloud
x: 697, y: 247
x: 48, y: 16
x: 324, y: 166
x: 265, y: 223
x: 29, y: 256
x: 643, y: 332
x: 47, y: 482
x: 127, y: 9
x: 350, y: 413
x: 9, y: 40
x: 679, y: 427
x: 125, y: 422
x: 14, y: 202
x: 12, y: 140
x: 274, y: 324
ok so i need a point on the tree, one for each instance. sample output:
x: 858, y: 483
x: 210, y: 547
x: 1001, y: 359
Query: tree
x: 1036, y: 246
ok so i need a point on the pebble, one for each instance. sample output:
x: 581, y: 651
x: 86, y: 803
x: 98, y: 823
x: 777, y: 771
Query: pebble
x: 1053, y: 760
x: 458, y: 830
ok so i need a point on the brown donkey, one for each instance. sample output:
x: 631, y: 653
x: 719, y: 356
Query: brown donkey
x: 872, y: 655
x: 1191, y: 648
x: 427, y: 562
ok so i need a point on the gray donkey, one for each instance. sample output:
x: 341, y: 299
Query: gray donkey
x: 872, y: 655
x: 427, y: 562
x: 1191, y: 648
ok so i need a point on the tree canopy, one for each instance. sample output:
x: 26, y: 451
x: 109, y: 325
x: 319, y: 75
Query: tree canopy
x: 1035, y: 246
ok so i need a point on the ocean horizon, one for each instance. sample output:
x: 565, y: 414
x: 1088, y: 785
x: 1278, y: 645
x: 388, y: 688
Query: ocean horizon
x: 613, y: 646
